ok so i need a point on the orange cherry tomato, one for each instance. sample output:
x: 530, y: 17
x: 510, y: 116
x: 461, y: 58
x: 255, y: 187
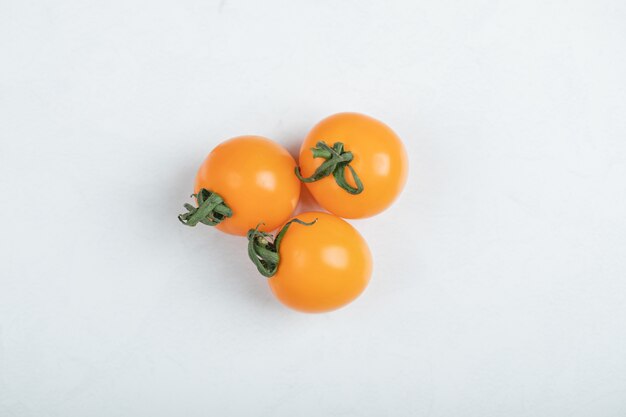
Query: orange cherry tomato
x: 254, y: 177
x: 370, y: 149
x: 321, y: 266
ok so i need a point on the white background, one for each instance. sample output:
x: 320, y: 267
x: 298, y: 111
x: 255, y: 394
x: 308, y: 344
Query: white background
x: 500, y: 274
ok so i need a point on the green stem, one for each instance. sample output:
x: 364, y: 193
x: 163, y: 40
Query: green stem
x: 211, y: 210
x: 263, y: 249
x: 337, y: 160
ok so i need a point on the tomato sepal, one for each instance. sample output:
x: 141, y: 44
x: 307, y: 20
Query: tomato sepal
x: 337, y: 160
x: 211, y: 210
x: 263, y: 248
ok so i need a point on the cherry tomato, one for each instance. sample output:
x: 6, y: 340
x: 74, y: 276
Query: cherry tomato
x: 354, y: 165
x: 316, y: 267
x: 250, y: 181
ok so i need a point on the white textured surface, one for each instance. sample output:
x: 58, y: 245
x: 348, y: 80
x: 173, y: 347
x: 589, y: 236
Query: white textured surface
x: 500, y: 275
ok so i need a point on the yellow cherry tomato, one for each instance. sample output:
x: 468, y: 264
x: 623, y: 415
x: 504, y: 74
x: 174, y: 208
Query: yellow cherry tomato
x: 314, y: 267
x: 249, y: 180
x: 354, y: 165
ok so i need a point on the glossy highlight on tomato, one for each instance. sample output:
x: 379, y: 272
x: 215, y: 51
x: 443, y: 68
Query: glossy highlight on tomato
x: 376, y: 155
x: 254, y: 176
x: 322, y: 266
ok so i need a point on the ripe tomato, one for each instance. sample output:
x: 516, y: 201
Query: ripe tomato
x: 247, y: 180
x: 314, y: 267
x: 353, y: 143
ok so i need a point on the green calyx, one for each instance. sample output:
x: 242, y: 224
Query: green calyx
x: 263, y: 249
x: 337, y: 160
x: 211, y: 210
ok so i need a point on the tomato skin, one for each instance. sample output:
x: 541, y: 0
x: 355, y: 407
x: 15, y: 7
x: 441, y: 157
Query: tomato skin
x: 255, y: 177
x: 323, y: 266
x: 380, y: 161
